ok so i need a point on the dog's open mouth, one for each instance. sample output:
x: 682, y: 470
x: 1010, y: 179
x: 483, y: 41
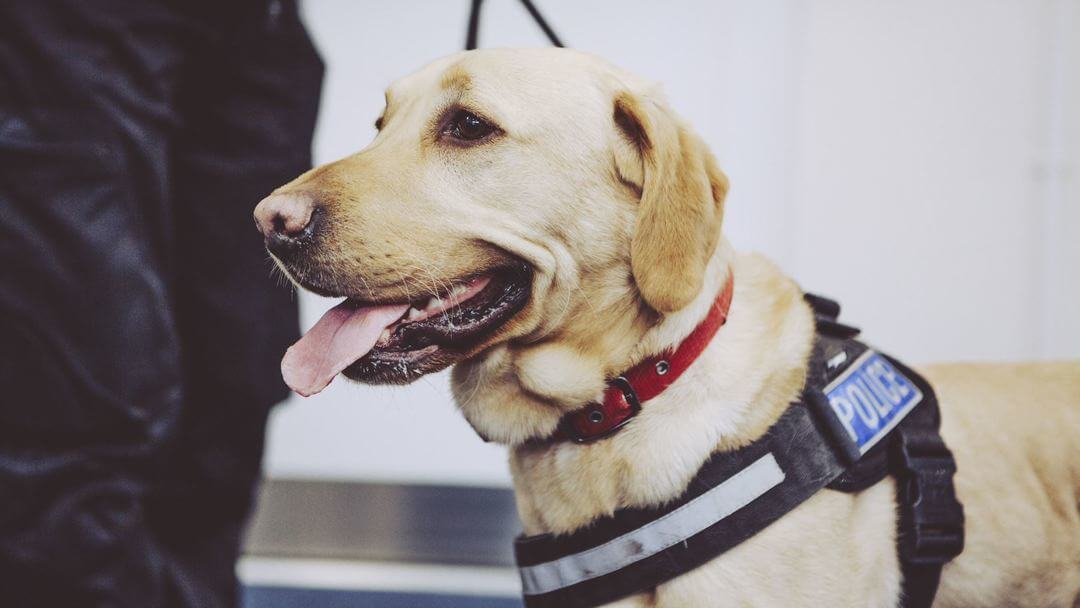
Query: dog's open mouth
x: 399, y: 342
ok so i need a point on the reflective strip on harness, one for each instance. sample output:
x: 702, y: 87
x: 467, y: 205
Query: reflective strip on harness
x: 675, y: 527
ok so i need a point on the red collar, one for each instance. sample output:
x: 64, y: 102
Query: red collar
x: 625, y: 394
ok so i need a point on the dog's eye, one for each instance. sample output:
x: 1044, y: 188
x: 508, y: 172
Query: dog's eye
x: 468, y: 126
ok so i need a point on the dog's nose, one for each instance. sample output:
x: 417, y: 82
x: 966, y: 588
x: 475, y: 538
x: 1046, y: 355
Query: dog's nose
x: 284, y: 214
x: 285, y: 220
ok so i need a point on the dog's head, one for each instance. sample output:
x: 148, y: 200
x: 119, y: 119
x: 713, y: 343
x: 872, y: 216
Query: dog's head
x: 512, y: 199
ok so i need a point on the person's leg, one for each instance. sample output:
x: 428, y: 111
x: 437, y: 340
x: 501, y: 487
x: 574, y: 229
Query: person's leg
x: 90, y: 370
x: 248, y: 107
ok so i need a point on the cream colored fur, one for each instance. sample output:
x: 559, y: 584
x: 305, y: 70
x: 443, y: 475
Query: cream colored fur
x: 617, y: 207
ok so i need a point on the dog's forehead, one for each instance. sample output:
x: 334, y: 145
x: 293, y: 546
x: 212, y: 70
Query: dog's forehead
x: 509, y: 75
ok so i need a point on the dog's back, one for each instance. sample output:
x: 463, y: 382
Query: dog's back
x: 1015, y: 432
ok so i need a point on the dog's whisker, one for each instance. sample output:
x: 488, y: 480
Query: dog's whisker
x: 403, y: 279
x: 367, y: 286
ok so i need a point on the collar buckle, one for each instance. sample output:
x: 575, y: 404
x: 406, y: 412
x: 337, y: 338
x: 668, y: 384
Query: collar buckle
x: 601, y: 420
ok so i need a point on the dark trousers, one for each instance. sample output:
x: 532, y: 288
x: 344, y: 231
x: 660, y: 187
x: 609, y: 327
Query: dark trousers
x: 140, y: 328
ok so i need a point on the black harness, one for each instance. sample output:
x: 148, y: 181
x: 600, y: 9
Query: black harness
x: 824, y: 440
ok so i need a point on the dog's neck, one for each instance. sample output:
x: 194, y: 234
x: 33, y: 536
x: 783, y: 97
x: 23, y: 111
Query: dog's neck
x: 728, y: 397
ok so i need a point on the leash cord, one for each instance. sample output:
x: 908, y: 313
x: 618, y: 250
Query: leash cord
x: 473, y: 32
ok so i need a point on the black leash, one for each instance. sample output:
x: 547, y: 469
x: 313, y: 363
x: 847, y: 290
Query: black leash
x: 474, y: 24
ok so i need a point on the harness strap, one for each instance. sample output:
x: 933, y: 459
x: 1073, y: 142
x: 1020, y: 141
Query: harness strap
x: 733, y: 496
x: 931, y: 519
x: 818, y: 441
x: 919, y: 584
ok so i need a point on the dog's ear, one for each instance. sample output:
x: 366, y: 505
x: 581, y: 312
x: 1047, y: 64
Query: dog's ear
x: 682, y: 201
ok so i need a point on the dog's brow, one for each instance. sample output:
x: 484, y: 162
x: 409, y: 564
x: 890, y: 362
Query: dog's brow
x: 456, y: 78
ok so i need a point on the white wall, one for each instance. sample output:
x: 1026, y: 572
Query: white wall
x: 917, y: 160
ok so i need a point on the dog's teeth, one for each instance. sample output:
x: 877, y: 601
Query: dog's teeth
x: 458, y: 290
x: 414, y: 314
x: 384, y: 337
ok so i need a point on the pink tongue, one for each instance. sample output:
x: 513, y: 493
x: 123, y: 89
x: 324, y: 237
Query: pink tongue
x: 343, y: 335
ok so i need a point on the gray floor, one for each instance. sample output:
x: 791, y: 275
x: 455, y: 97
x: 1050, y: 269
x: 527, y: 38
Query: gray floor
x: 383, y: 524
x: 278, y: 597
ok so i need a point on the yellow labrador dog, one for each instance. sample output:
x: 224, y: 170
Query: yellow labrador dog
x: 542, y: 221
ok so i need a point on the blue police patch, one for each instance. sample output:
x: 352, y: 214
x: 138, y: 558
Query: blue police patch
x: 870, y: 398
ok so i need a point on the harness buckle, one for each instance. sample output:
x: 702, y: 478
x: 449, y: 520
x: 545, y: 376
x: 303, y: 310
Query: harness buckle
x: 931, y: 519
